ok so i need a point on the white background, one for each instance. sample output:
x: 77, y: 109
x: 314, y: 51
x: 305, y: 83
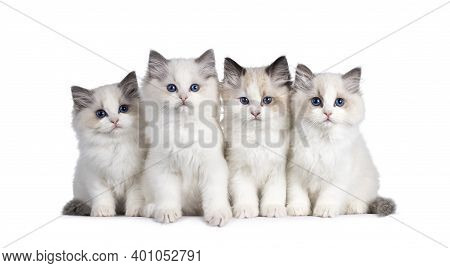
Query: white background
x: 405, y: 82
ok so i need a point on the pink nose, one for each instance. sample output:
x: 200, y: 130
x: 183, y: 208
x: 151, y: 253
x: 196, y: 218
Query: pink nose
x: 328, y: 114
x: 183, y: 98
x: 115, y: 121
x: 255, y: 113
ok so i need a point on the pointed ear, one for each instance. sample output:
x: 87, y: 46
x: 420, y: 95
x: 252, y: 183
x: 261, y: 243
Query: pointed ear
x: 303, y: 78
x: 233, y: 73
x: 207, y: 64
x: 81, y: 98
x: 157, y: 66
x: 352, y: 79
x: 129, y: 86
x: 279, y: 71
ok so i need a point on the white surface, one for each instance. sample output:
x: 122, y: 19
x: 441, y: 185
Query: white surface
x: 406, y: 86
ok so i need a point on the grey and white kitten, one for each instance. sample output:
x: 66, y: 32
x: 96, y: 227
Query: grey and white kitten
x: 330, y: 170
x: 105, y: 120
x: 256, y: 125
x: 185, y: 172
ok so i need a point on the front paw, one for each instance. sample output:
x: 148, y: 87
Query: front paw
x: 357, y: 207
x: 298, y: 209
x: 167, y: 215
x: 325, y: 211
x: 273, y: 211
x: 245, y: 211
x: 218, y: 217
x: 133, y: 211
x: 103, y: 211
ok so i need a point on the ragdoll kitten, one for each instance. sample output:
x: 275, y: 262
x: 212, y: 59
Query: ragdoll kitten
x: 256, y: 125
x: 330, y: 169
x: 105, y: 120
x: 186, y: 173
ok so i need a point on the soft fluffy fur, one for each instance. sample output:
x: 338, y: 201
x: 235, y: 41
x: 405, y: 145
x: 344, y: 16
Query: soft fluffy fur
x: 186, y: 172
x: 76, y: 207
x: 330, y: 169
x: 110, y: 158
x: 257, y: 143
x: 382, y: 206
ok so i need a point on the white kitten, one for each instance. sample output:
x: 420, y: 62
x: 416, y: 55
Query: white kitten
x: 106, y: 123
x: 330, y: 169
x: 186, y: 172
x: 256, y: 124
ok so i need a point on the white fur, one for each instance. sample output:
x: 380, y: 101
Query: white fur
x: 330, y: 171
x: 256, y: 149
x: 109, y: 158
x: 185, y: 173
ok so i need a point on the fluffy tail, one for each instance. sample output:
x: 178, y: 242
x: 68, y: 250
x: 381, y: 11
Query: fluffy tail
x: 382, y: 206
x: 76, y: 207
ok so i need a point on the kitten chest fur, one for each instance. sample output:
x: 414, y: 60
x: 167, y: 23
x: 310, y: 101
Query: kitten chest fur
x: 183, y: 146
x: 336, y: 158
x: 256, y: 149
x: 116, y: 160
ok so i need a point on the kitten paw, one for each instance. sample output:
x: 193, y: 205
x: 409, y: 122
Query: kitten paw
x: 148, y: 210
x: 325, y: 211
x: 218, y: 217
x: 273, y: 211
x: 357, y: 207
x: 103, y: 211
x: 133, y: 211
x: 167, y: 215
x: 298, y: 210
x: 242, y: 212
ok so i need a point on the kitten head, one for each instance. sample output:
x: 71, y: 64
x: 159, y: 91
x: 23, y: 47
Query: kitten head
x: 327, y: 100
x: 256, y: 95
x: 181, y: 84
x: 107, y: 110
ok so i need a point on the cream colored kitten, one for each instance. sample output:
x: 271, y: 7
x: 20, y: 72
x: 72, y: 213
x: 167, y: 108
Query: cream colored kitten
x: 330, y: 170
x: 105, y: 120
x: 256, y: 124
x: 185, y: 172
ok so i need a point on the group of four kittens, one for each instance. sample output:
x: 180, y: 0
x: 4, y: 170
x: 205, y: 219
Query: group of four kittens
x: 184, y: 143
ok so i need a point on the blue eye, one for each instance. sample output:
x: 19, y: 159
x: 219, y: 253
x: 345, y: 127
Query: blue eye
x: 267, y: 100
x: 339, y: 102
x: 195, y: 87
x: 316, y: 101
x: 123, y: 108
x: 171, y: 88
x: 244, y: 100
x: 101, y: 113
